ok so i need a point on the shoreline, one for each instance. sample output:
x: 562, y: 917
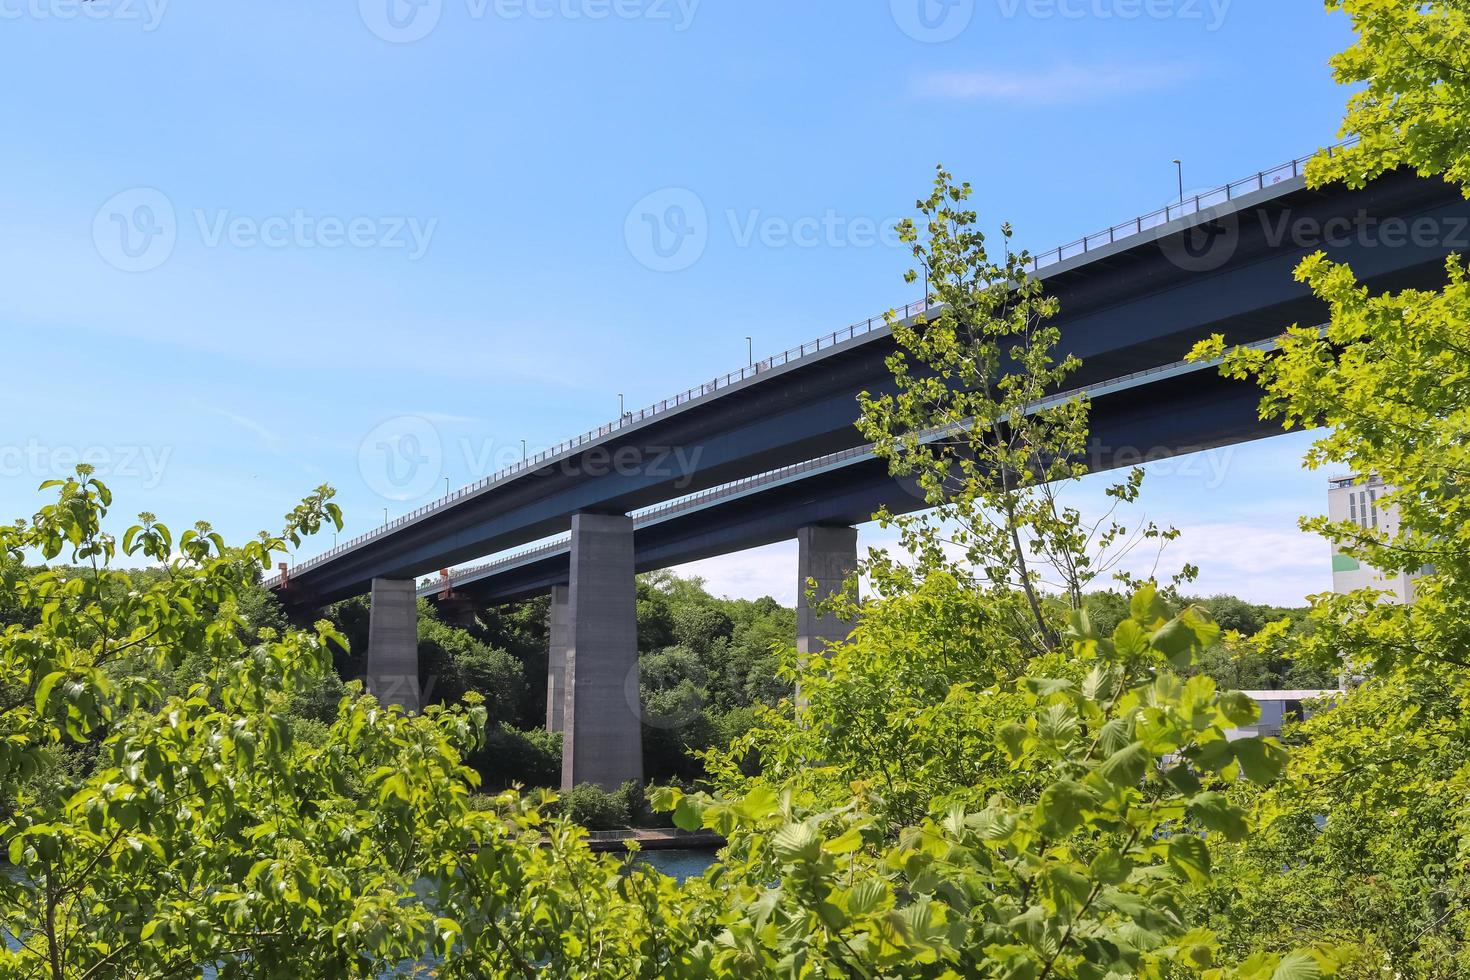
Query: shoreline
x: 654, y: 839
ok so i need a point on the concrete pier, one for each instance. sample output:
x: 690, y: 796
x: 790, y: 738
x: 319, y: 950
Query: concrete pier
x: 603, y: 734
x: 393, y: 644
x: 829, y: 555
x: 556, y: 660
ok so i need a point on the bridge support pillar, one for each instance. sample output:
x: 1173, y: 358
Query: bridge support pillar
x: 602, y: 741
x: 556, y: 660
x: 393, y: 644
x: 829, y: 555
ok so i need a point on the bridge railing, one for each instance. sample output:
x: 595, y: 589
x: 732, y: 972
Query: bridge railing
x: 1199, y: 203
x: 647, y: 515
x: 1129, y: 229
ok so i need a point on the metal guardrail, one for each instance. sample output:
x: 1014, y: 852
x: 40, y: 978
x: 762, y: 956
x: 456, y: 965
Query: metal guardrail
x: 1121, y: 232
x: 649, y: 515
x: 1203, y: 201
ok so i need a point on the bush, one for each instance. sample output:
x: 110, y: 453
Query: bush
x: 596, y: 809
x: 510, y: 757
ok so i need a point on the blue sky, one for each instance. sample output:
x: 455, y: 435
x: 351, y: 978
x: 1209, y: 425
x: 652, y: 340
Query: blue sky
x: 338, y: 215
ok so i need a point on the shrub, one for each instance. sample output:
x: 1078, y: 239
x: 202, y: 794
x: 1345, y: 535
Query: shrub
x: 595, y: 808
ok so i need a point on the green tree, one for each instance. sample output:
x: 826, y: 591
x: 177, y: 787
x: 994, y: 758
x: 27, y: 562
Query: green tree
x: 1362, y: 843
x: 976, y: 424
x: 1411, y: 65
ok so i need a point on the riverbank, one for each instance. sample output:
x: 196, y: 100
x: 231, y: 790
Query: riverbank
x: 659, y: 839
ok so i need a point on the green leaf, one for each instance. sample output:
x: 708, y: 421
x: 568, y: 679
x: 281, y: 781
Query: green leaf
x: 1214, y: 811
x: 1239, y: 709
x: 1014, y: 737
x: 1062, y: 806
x: 759, y: 803
x: 797, y: 842
x: 1189, y: 856
x: 1297, y: 966
x: 864, y: 897
x: 43, y: 690
x: 1126, y: 766
x: 687, y: 815
x: 1128, y: 638
x: 1110, y: 867
x: 1262, y: 760
x: 1146, y: 608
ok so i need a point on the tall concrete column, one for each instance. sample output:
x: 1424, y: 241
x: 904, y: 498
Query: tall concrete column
x: 556, y: 660
x: 602, y: 742
x: 829, y: 555
x: 393, y: 644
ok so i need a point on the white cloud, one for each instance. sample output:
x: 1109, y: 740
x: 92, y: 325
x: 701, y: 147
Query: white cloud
x: 765, y: 571
x: 1268, y: 562
x: 1060, y: 84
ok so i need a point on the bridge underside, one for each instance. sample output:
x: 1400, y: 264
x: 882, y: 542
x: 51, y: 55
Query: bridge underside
x: 1125, y: 307
x: 1189, y: 413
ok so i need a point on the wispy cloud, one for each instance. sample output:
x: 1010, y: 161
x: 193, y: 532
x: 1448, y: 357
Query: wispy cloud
x: 267, y: 435
x: 1058, y: 85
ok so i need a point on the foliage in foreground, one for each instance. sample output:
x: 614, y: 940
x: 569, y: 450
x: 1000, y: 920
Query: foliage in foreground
x: 1363, y: 843
x: 205, y: 833
x: 1095, y: 824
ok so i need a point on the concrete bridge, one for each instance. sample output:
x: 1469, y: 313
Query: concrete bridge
x: 770, y: 452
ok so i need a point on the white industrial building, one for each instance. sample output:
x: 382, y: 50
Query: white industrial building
x: 1360, y: 500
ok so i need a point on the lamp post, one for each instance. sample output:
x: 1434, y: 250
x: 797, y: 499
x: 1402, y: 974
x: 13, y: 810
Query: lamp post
x: 1179, y: 168
x: 621, y: 413
x: 385, y: 517
x: 523, y: 450
x: 446, y: 486
x: 749, y: 352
